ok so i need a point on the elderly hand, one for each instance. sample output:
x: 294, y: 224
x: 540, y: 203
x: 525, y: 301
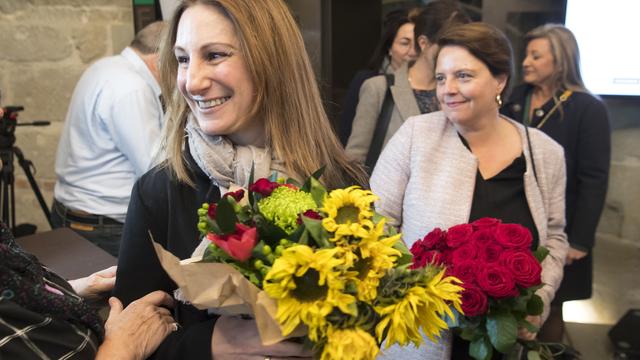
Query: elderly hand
x: 92, y: 286
x: 574, y: 254
x: 228, y: 345
x: 136, y: 332
x: 525, y: 334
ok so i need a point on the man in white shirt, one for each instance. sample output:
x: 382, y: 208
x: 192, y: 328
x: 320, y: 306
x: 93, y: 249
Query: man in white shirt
x: 113, y: 121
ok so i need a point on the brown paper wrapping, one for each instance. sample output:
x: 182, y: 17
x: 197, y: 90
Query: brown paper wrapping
x: 223, y: 288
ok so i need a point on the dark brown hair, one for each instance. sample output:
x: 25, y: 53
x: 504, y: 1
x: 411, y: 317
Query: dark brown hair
x: 484, y: 41
x: 434, y: 17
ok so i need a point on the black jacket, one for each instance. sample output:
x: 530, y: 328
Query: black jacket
x: 583, y: 129
x: 168, y: 209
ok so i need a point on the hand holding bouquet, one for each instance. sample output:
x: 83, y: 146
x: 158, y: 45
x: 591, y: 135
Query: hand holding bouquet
x: 500, y: 276
x: 330, y: 266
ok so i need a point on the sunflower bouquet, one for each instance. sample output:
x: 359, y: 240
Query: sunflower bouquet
x: 330, y: 265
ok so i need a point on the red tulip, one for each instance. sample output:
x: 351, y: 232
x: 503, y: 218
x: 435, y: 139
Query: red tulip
x: 239, y: 244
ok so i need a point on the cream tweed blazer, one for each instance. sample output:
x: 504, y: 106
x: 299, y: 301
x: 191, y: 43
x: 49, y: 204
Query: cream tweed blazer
x: 425, y: 178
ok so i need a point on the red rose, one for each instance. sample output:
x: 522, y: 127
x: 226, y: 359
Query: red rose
x: 310, y: 214
x: 459, y: 235
x: 465, y: 271
x: 434, y: 240
x: 485, y: 223
x: 236, y: 195
x: 263, y: 187
x: 239, y: 244
x: 514, y: 236
x: 474, y: 301
x: 464, y: 253
x: 483, y: 237
x: 490, y: 252
x: 212, y: 210
x: 524, y: 267
x: 497, y: 281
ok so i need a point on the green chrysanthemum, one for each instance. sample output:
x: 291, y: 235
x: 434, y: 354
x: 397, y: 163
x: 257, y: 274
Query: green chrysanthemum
x: 284, y: 205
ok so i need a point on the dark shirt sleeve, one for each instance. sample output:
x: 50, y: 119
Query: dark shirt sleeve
x: 593, y: 162
x: 140, y: 272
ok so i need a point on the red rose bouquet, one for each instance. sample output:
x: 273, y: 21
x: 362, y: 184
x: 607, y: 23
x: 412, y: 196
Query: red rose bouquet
x: 500, y: 276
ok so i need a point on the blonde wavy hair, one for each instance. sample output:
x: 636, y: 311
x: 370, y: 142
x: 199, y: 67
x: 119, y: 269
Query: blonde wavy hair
x: 566, y: 55
x: 287, y: 97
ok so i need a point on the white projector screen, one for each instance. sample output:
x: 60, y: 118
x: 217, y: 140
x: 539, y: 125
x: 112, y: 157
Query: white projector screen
x: 608, y: 34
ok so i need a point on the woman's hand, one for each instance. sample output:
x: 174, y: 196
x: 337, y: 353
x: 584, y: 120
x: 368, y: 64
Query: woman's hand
x: 238, y: 339
x: 525, y: 334
x: 92, y: 286
x: 135, y: 332
x: 574, y: 254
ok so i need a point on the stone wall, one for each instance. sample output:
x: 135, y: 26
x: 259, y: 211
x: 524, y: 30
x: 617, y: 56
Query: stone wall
x: 45, y: 45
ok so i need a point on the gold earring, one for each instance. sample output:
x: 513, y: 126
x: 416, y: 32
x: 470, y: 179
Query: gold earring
x: 499, y: 100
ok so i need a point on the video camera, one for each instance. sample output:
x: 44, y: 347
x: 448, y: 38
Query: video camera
x: 9, y: 122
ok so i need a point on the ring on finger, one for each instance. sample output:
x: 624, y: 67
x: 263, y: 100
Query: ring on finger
x: 175, y: 326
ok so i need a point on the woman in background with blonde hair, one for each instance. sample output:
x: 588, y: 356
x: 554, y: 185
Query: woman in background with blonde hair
x: 241, y: 93
x: 555, y: 100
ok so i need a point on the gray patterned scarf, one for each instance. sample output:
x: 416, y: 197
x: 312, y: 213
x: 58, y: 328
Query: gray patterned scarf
x: 227, y: 164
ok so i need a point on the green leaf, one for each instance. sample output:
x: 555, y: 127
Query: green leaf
x: 226, y: 217
x: 317, y: 191
x: 269, y: 233
x: 541, y: 253
x: 213, y: 226
x: 535, y: 306
x: 480, y: 349
x: 317, y: 231
x: 316, y: 175
x: 502, y: 329
x: 405, y: 254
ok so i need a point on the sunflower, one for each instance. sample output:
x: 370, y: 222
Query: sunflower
x: 349, y: 212
x: 376, y: 258
x: 307, y: 286
x: 421, y: 306
x: 349, y: 344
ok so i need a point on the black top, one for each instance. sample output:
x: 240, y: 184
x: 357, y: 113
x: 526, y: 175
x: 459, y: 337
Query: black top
x: 427, y: 100
x: 168, y: 209
x: 502, y: 197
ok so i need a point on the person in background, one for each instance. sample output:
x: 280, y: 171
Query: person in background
x: 43, y: 316
x: 468, y: 162
x: 554, y: 99
x: 235, y: 103
x: 396, y: 47
x: 113, y: 121
x: 413, y: 88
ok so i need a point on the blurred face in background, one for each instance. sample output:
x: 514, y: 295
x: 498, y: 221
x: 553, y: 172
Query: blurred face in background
x: 465, y: 87
x: 213, y: 75
x: 402, y: 49
x: 538, y: 67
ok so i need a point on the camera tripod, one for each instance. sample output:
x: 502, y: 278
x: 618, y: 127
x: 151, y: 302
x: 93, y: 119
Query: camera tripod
x: 7, y: 178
